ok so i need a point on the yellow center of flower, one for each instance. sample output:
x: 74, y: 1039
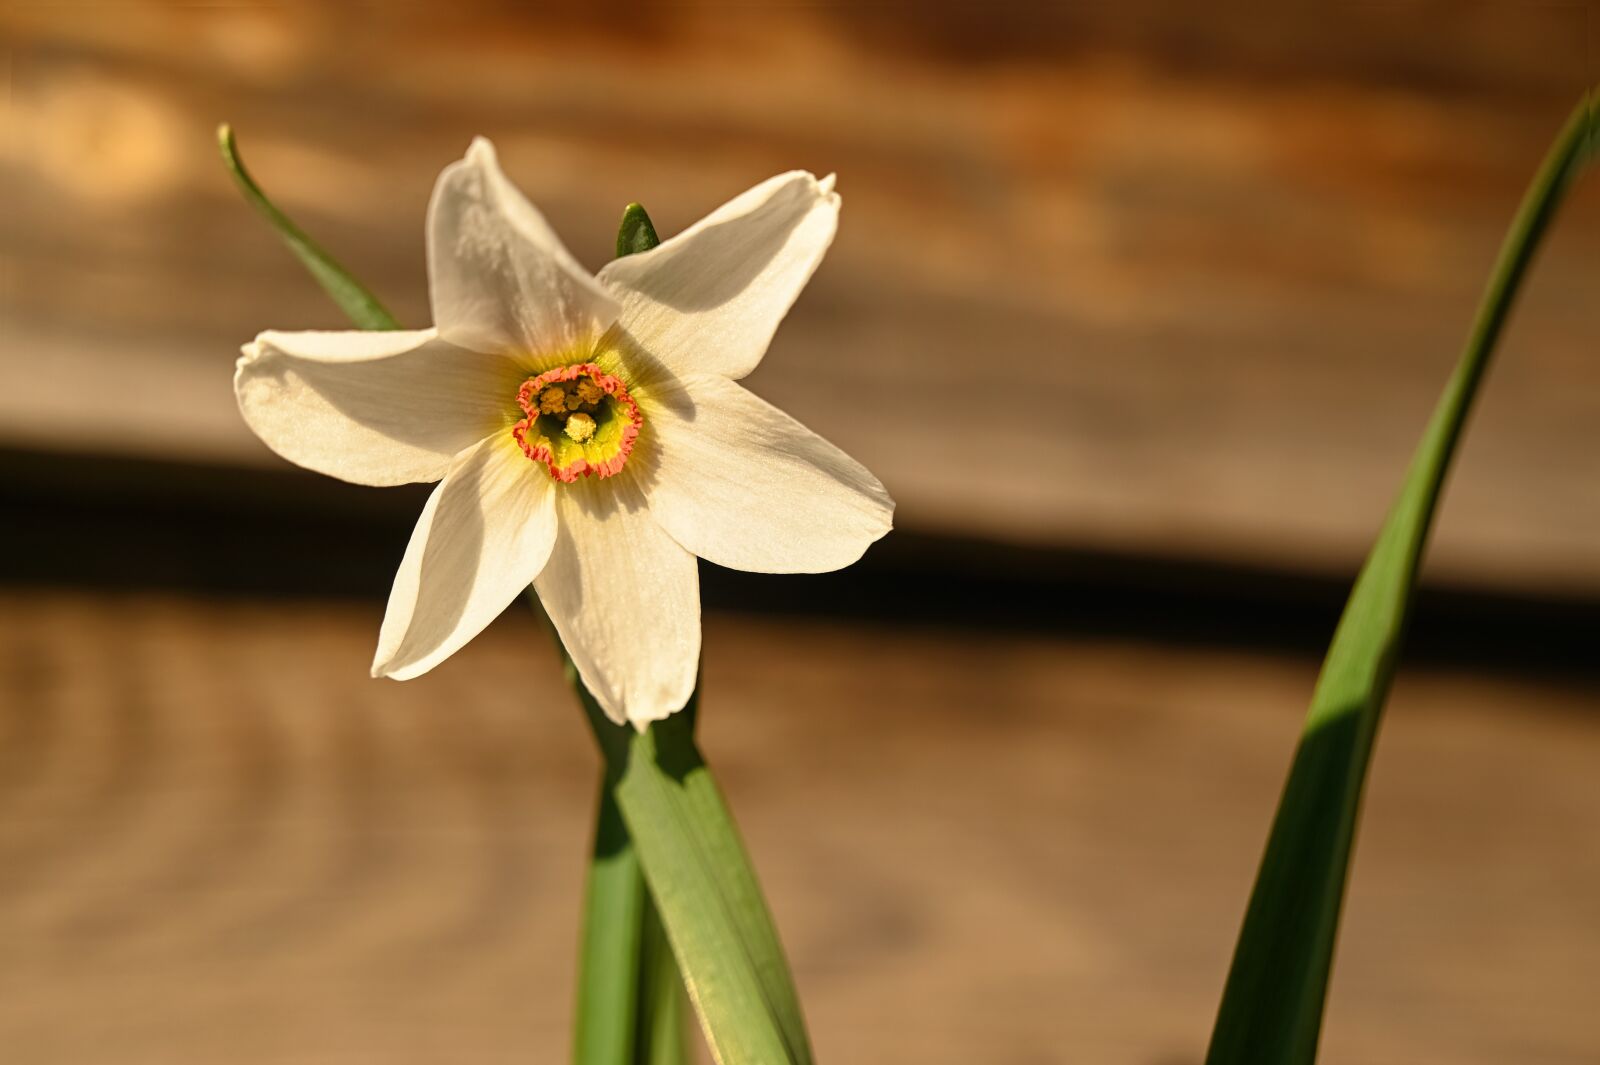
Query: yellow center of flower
x: 579, y: 421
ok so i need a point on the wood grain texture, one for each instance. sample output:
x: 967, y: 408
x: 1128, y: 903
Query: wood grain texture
x: 221, y: 842
x: 1212, y: 264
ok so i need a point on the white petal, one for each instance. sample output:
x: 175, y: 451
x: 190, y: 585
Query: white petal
x: 709, y: 299
x: 625, y: 599
x: 742, y: 484
x: 484, y: 535
x: 499, y: 276
x: 374, y: 408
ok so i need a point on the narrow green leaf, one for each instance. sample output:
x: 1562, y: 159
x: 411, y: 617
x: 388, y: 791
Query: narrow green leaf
x: 1271, y: 1009
x: 359, y: 304
x: 705, y: 889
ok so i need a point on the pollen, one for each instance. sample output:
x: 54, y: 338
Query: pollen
x: 553, y: 400
x: 580, y: 427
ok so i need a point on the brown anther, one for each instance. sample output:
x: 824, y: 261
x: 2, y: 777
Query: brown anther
x: 553, y: 400
x: 588, y: 391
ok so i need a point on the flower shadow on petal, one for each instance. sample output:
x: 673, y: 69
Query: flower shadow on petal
x: 387, y: 400
x: 623, y: 495
x: 452, y: 560
x: 739, y: 250
x: 651, y: 380
x: 656, y: 388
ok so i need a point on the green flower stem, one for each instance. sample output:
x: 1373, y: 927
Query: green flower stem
x: 662, y: 822
x: 1272, y: 1006
x: 623, y: 986
x: 661, y: 997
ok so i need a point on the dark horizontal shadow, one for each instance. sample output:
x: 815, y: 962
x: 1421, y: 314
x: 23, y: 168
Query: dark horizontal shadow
x: 93, y: 522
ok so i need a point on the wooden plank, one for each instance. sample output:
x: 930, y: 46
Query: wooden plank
x: 1212, y: 270
x: 220, y: 841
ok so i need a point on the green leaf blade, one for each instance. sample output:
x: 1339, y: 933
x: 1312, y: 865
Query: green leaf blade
x: 354, y: 299
x: 703, y: 886
x: 705, y: 889
x: 1272, y: 1004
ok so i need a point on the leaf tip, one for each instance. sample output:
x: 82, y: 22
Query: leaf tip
x: 636, y: 233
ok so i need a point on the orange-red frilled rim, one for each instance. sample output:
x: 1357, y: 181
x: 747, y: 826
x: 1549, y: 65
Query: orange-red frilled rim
x: 579, y: 421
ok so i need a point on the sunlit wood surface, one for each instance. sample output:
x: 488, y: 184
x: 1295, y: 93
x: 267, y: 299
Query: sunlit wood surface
x: 1207, y: 265
x: 221, y: 842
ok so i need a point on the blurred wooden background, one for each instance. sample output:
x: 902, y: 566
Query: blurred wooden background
x: 1231, y: 252
x: 221, y: 842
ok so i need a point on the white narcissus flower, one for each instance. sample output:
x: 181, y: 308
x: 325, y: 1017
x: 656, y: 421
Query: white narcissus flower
x: 586, y: 432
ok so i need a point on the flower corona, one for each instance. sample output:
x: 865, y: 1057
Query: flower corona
x: 578, y: 420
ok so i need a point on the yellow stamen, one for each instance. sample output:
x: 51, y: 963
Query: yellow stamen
x: 580, y: 427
